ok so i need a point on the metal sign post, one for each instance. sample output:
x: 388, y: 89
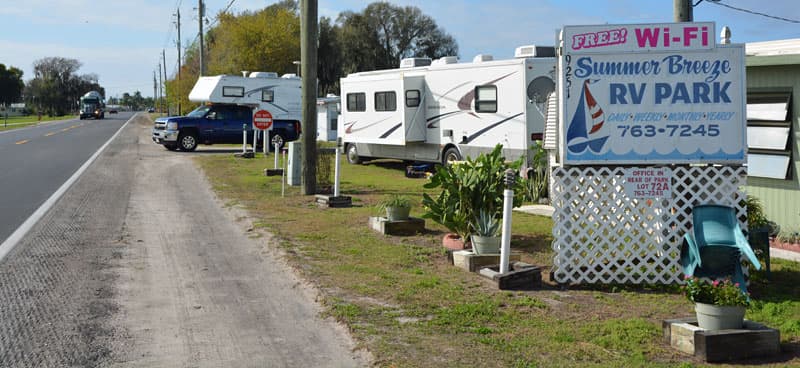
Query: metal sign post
x: 508, y: 203
x: 244, y: 138
x: 336, y: 168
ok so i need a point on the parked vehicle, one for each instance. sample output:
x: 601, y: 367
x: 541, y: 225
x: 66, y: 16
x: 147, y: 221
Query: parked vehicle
x: 229, y: 105
x: 280, y: 96
x: 92, y: 105
x: 443, y: 111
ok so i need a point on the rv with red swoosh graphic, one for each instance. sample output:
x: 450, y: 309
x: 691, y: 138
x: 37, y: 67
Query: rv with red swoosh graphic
x: 445, y: 110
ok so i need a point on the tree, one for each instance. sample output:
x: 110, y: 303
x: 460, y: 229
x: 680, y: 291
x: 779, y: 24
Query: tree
x: 265, y: 40
x: 329, y: 54
x: 382, y: 34
x: 56, y: 88
x: 11, y: 84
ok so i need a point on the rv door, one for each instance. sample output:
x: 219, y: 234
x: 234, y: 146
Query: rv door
x: 414, y: 108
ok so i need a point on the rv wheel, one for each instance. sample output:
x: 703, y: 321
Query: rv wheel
x: 451, y: 154
x: 352, y: 154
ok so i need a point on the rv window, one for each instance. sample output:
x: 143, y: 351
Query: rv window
x: 486, y: 99
x: 356, y: 102
x: 385, y: 101
x: 412, y: 98
x: 267, y: 95
x: 232, y: 91
x: 333, y: 124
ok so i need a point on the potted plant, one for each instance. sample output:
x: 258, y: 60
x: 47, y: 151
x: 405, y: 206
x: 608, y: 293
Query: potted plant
x: 719, y: 305
x: 468, y: 187
x: 486, y: 239
x: 397, y: 207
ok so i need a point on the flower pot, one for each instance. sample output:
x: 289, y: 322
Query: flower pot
x: 453, y: 241
x: 485, y: 244
x: 717, y: 317
x: 397, y: 213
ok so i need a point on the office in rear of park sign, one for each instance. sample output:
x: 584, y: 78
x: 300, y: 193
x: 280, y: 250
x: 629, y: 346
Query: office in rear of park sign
x: 651, y: 94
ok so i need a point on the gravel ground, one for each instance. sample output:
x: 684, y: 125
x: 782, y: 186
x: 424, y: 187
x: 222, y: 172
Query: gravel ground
x: 138, y: 265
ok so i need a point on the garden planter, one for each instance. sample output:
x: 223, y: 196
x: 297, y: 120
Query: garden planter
x: 485, y: 244
x: 453, y: 241
x: 397, y: 213
x: 715, y: 317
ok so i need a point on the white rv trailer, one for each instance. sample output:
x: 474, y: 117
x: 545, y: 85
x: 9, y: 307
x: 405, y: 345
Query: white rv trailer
x: 259, y: 90
x: 446, y: 110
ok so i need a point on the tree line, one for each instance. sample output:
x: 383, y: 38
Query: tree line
x: 54, y: 90
x: 269, y: 40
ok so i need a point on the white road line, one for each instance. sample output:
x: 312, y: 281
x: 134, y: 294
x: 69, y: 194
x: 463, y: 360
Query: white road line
x: 26, y: 226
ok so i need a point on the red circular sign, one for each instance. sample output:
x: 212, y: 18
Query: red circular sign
x: 262, y: 119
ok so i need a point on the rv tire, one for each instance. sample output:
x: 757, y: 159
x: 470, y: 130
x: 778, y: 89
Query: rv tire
x: 352, y: 154
x: 451, y: 154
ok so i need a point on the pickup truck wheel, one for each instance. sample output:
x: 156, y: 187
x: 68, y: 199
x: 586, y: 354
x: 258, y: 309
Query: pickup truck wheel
x: 451, y: 154
x: 187, y: 141
x: 277, y: 139
x: 352, y: 154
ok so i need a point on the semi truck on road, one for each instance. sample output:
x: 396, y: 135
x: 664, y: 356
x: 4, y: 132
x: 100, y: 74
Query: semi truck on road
x: 92, y: 105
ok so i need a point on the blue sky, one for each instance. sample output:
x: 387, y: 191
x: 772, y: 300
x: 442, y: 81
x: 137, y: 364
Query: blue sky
x: 121, y: 40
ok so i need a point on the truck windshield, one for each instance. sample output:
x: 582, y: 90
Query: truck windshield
x: 199, y: 112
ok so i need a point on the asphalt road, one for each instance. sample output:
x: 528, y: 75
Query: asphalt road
x: 35, y: 161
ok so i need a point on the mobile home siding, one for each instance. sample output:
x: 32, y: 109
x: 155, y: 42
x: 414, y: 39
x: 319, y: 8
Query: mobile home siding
x: 781, y: 198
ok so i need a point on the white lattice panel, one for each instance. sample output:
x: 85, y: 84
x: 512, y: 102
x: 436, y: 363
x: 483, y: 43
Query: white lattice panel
x: 603, y: 236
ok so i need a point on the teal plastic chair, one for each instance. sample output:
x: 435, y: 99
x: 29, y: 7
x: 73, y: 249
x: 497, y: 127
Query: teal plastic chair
x: 716, y: 245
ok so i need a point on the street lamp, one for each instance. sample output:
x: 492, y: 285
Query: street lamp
x: 297, y: 62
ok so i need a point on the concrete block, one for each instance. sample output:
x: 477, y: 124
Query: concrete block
x: 329, y: 201
x: 472, y: 262
x: 273, y: 172
x: 520, y: 276
x: 751, y: 341
x: 410, y: 226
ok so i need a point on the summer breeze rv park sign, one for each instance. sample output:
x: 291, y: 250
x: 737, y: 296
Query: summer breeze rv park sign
x: 651, y: 94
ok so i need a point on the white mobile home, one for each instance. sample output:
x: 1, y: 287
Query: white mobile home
x: 446, y: 110
x: 262, y: 90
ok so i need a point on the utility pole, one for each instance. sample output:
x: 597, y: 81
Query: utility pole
x: 201, y: 12
x: 179, y: 58
x: 682, y: 10
x: 164, y: 60
x: 155, y: 90
x: 308, y: 60
x: 160, y: 90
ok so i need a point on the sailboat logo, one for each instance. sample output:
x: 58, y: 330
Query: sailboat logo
x: 584, y: 130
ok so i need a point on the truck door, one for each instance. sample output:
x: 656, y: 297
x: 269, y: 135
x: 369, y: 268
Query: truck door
x: 234, y: 118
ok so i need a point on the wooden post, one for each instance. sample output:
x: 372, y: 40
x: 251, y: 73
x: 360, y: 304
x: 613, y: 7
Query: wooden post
x: 308, y: 58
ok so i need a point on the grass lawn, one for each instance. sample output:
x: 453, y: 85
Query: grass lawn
x: 406, y: 304
x: 16, y: 122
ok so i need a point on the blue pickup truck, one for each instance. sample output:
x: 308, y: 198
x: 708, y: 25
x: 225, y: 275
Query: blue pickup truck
x: 218, y: 123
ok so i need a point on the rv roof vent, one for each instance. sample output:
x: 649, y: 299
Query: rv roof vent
x: 263, y: 75
x: 244, y: 73
x: 290, y: 76
x: 534, y: 51
x: 412, y: 62
x: 446, y: 60
x: 481, y: 58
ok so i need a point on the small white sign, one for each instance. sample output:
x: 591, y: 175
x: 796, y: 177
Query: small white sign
x: 648, y: 182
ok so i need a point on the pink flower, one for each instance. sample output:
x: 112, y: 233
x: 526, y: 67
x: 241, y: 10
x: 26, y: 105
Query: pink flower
x: 736, y: 284
x: 715, y: 283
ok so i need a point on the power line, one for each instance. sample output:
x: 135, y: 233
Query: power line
x: 718, y: 2
x: 222, y: 12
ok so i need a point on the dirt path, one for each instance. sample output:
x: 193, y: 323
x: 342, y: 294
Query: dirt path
x: 144, y: 268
